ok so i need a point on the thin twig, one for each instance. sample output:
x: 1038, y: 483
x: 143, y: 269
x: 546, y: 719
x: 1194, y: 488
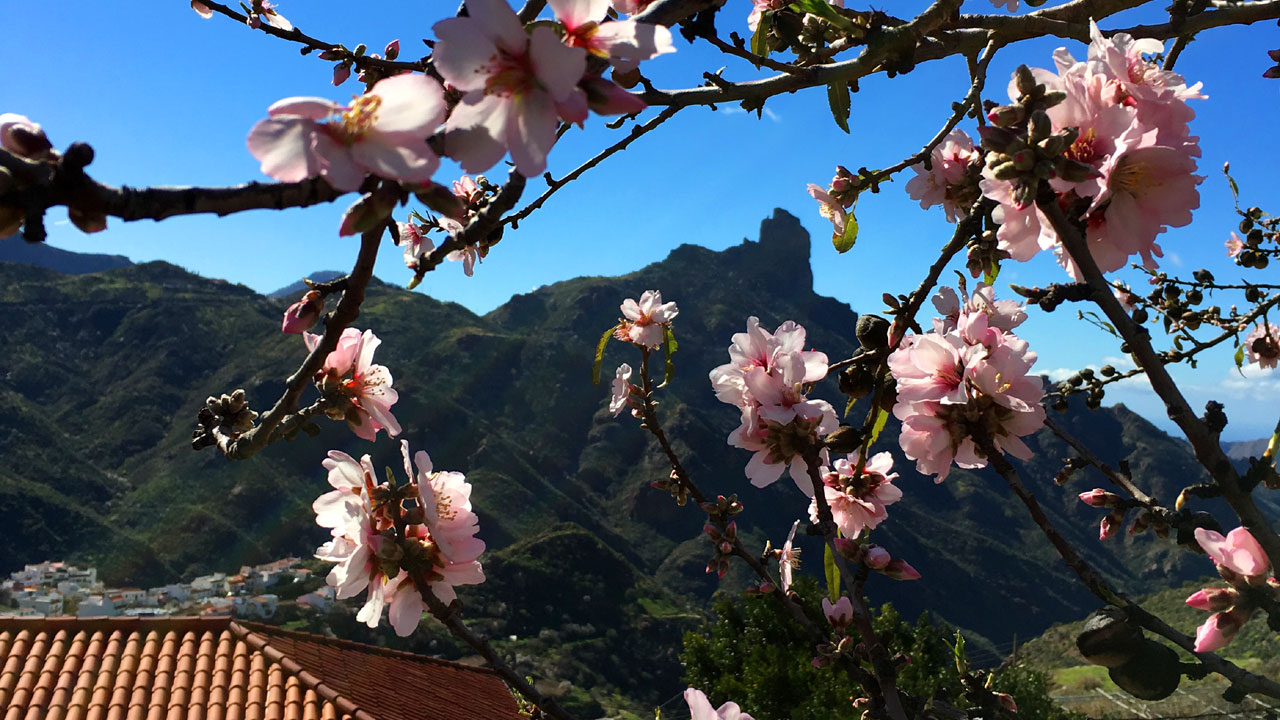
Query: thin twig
x: 310, y: 43
x: 636, y: 132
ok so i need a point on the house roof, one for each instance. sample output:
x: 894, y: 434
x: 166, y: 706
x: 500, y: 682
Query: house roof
x: 217, y: 668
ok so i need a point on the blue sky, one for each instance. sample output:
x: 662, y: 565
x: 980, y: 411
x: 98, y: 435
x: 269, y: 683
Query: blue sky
x: 168, y: 98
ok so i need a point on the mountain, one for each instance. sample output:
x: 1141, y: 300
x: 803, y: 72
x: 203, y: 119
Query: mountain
x: 104, y: 375
x: 292, y: 290
x: 16, y: 250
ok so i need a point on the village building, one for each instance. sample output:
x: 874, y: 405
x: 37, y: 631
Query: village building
x: 220, y: 667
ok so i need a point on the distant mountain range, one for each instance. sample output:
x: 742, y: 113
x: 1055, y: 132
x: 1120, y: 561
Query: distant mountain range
x: 15, y: 249
x: 105, y: 372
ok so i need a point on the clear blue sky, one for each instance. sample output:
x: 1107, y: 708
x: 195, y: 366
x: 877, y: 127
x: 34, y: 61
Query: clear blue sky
x: 168, y: 98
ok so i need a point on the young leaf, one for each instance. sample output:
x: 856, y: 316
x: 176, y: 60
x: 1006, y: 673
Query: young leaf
x: 962, y: 662
x: 845, y: 242
x: 759, y: 44
x: 595, y: 366
x: 669, y: 348
x: 882, y: 418
x: 838, y: 99
x: 1240, y: 359
x: 989, y: 277
x: 833, y: 574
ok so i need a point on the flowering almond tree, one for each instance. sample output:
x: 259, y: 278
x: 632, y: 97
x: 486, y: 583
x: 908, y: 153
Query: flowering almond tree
x: 1092, y: 159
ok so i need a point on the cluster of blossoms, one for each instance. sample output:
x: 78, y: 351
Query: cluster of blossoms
x: 358, y: 391
x: 834, y: 202
x: 1130, y: 124
x: 966, y: 377
x: 858, y: 499
x: 1262, y: 345
x: 1119, y: 121
x: 516, y: 84
x: 950, y: 179
x: 437, y: 550
x: 1242, y: 563
x: 765, y: 378
x: 466, y: 198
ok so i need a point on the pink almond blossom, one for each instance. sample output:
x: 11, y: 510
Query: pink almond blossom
x: 859, y: 503
x: 624, y: 43
x: 1234, y: 245
x: 201, y: 9
x: 758, y: 347
x: 302, y: 314
x: 646, y: 319
x: 1219, y: 630
x: 947, y: 183
x: 20, y: 136
x: 512, y: 83
x: 839, y: 613
x: 1262, y: 345
x: 1238, y: 552
x: 788, y: 559
x: 623, y: 392
x: 383, y: 132
x: 349, y: 371
x: 830, y: 208
x: 700, y: 708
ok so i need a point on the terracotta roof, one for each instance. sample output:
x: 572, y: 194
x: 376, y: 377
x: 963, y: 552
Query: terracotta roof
x: 221, y: 669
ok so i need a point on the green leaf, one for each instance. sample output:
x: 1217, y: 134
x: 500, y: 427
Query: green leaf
x: 882, y: 418
x: 759, y: 44
x: 849, y: 408
x: 989, y: 277
x: 669, y: 348
x: 838, y: 99
x: 833, y: 574
x: 845, y: 242
x: 1240, y: 359
x: 962, y: 662
x: 824, y: 10
x: 595, y: 366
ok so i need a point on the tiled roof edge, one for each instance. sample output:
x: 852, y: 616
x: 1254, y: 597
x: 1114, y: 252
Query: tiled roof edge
x: 261, y: 644
x: 128, y: 624
x: 363, y: 647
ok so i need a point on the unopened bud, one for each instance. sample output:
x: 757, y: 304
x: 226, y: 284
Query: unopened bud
x: 1214, y: 599
x: 1005, y: 116
x: 1109, y: 525
x: 900, y: 570
x: 848, y: 549
x: 876, y: 558
x: 1005, y: 171
x: 392, y: 50
x: 1098, y: 497
x: 1053, y: 97
x: 88, y: 221
x: 1024, y: 80
x: 302, y: 314
x: 341, y: 72
x: 367, y: 212
x: 1040, y: 126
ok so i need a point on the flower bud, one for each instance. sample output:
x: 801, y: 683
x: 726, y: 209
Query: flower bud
x: 367, y: 212
x: 849, y: 549
x: 1214, y: 599
x: 22, y: 137
x: 341, y: 72
x: 1005, y: 171
x: 392, y: 50
x: 1006, y: 700
x: 899, y: 570
x: 302, y: 314
x: 1109, y: 525
x: 1098, y: 497
x: 877, y: 558
x: 89, y: 221
x: 1040, y: 127
x: 1073, y: 171
x: 1219, y: 629
x: 1024, y: 80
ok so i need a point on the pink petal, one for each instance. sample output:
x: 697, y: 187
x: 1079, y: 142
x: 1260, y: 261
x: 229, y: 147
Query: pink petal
x: 284, y: 147
x: 463, y: 54
x: 315, y: 108
x: 201, y: 9
x: 411, y: 103
x: 533, y: 133
x: 498, y: 22
x: 574, y: 13
x: 404, y: 156
x: 557, y: 66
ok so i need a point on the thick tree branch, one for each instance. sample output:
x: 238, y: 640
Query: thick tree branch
x: 1239, y: 677
x: 1204, y: 441
x: 246, y: 445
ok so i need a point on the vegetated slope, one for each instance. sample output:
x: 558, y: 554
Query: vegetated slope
x: 107, y: 371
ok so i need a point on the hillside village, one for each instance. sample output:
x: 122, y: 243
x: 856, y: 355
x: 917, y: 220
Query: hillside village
x: 54, y: 588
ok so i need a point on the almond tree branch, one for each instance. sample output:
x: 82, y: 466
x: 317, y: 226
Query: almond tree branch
x: 1069, y: 20
x: 1239, y: 677
x: 310, y: 44
x: 243, y: 446
x: 478, y: 231
x: 1204, y: 441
